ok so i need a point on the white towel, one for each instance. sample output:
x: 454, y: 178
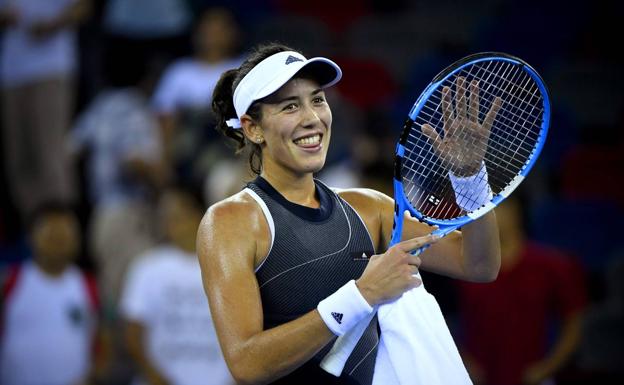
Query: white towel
x: 416, y: 346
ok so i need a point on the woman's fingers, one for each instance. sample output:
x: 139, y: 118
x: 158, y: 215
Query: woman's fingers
x: 460, y: 97
x: 447, y: 109
x: 432, y: 135
x: 416, y: 243
x: 491, y: 115
x: 473, y: 107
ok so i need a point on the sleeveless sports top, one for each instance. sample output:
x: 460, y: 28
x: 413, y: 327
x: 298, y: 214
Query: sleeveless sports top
x: 313, y: 253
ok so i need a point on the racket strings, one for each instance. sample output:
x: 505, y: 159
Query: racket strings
x: 513, y: 119
x: 463, y: 198
x: 509, y: 146
x: 433, y: 107
x: 446, y: 170
x: 507, y: 164
x: 508, y: 123
x: 514, y: 122
x: 489, y: 94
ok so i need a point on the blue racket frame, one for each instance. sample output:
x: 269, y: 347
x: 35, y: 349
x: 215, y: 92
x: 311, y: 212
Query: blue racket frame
x: 446, y: 226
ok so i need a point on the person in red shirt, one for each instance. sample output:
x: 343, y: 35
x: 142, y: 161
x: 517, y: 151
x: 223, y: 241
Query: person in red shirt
x: 506, y: 325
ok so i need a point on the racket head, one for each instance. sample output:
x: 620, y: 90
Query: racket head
x: 517, y: 136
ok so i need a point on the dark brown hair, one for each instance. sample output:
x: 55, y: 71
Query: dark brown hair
x: 223, y: 106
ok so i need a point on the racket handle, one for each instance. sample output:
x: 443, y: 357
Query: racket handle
x: 335, y: 360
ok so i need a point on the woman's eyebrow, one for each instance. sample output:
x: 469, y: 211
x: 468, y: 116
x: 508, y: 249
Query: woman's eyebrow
x: 286, y: 99
x: 292, y: 98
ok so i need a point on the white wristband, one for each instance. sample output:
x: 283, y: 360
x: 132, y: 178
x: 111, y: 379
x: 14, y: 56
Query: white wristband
x: 473, y: 191
x: 343, y: 309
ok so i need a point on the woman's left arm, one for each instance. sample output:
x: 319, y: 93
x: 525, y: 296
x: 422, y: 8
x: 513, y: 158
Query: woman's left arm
x: 472, y: 254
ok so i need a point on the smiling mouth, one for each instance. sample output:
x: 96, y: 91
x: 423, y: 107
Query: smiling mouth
x: 308, y: 141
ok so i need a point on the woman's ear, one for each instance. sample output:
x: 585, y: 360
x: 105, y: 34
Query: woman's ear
x: 252, y: 129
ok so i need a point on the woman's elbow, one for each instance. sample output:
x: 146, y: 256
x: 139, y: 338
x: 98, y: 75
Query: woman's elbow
x: 489, y: 275
x: 242, y: 375
x: 244, y: 372
x: 485, y: 273
x: 241, y: 379
x: 247, y: 377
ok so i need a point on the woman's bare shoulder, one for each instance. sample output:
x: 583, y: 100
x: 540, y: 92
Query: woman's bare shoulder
x: 233, y: 226
x: 234, y: 207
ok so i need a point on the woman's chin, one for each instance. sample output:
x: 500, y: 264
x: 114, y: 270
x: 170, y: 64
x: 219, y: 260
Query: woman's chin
x: 313, y: 167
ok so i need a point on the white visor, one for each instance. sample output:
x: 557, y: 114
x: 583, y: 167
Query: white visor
x: 273, y: 72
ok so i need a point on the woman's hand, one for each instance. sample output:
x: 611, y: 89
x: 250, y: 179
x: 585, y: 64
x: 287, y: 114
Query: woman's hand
x: 390, y: 274
x: 465, y: 139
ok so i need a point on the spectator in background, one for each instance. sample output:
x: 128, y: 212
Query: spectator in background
x: 169, y: 327
x: 601, y: 352
x: 183, y: 96
x: 49, y: 308
x: 120, y: 136
x: 147, y: 28
x: 38, y: 57
x: 505, y: 324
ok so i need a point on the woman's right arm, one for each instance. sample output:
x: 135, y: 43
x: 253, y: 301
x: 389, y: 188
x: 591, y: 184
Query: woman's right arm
x: 228, y: 241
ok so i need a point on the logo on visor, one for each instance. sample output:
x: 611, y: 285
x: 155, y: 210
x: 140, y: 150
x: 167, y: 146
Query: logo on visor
x: 292, y: 59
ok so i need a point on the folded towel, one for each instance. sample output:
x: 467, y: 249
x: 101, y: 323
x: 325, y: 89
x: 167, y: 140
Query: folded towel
x: 416, y: 346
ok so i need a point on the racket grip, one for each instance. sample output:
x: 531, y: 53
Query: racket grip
x: 335, y: 360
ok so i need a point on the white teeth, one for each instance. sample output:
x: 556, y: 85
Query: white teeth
x: 315, y: 139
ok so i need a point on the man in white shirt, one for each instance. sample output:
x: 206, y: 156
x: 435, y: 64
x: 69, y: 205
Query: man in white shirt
x: 49, y: 308
x: 169, y: 329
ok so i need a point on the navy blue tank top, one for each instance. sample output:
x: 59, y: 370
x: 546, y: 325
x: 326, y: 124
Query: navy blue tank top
x: 313, y: 253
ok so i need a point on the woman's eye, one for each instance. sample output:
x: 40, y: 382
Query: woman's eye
x: 290, y: 107
x: 319, y: 100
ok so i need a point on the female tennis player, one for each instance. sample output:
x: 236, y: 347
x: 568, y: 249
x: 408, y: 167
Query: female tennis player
x: 288, y: 264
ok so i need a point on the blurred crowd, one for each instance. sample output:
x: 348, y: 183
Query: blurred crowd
x: 109, y: 158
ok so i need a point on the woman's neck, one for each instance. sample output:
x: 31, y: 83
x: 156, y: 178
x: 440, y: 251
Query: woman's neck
x: 299, y: 189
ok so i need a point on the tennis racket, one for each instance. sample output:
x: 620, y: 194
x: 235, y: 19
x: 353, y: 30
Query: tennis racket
x: 485, y: 118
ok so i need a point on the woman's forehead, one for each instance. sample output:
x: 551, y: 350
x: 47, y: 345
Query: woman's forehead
x: 295, y: 87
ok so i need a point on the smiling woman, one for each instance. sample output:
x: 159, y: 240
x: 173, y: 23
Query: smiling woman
x: 295, y: 127
x: 240, y: 92
x: 288, y: 263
